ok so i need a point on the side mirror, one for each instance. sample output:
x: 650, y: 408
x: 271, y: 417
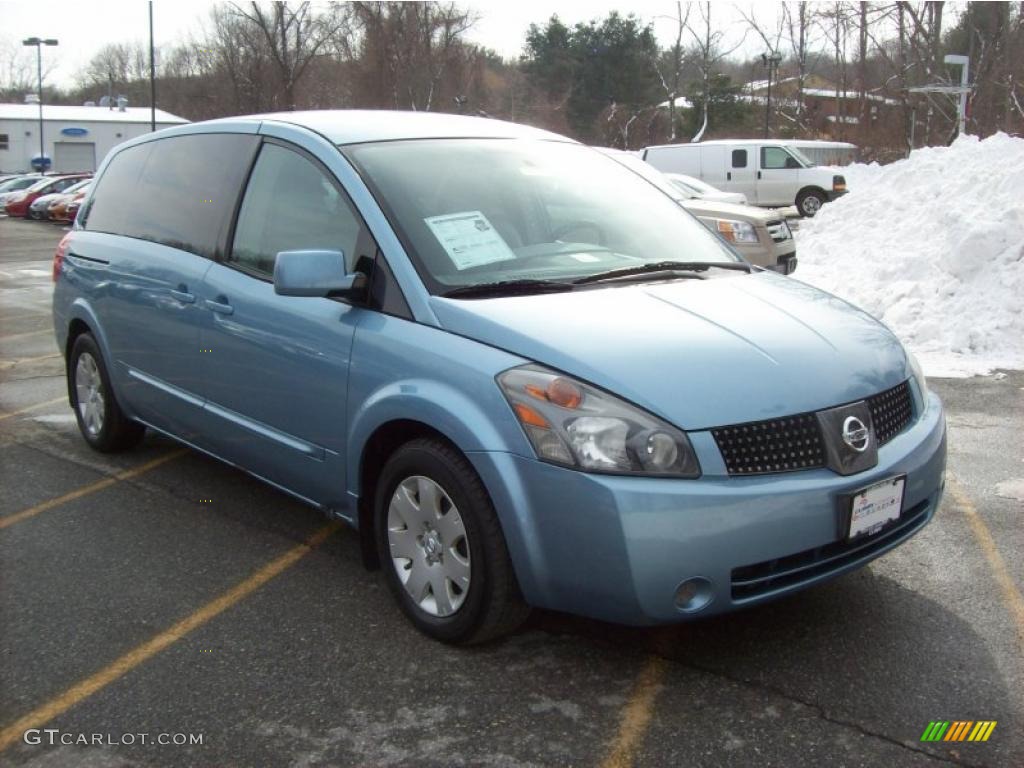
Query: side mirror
x: 316, y: 273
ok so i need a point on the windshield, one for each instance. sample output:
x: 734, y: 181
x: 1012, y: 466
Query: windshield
x: 696, y: 185
x: 15, y: 184
x: 77, y: 187
x: 41, y: 184
x: 807, y: 162
x: 689, y: 192
x: 473, y: 211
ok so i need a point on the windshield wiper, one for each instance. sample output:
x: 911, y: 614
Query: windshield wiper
x: 508, y: 288
x: 663, y: 267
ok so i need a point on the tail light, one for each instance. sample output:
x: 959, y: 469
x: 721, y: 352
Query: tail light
x: 58, y: 255
x: 838, y: 183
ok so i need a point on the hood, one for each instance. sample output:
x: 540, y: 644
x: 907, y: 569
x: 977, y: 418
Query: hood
x: 724, y: 197
x: 704, y: 207
x: 44, y: 200
x: 698, y: 353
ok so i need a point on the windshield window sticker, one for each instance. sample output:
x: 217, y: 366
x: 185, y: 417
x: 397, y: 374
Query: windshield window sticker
x: 469, y: 239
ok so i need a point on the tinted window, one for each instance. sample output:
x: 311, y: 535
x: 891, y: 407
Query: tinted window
x: 184, y: 195
x: 290, y: 204
x: 774, y: 157
x: 739, y: 158
x: 114, y: 201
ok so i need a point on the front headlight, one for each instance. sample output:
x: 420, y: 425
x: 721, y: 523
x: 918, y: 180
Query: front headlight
x: 915, y: 368
x: 736, y: 231
x: 576, y: 425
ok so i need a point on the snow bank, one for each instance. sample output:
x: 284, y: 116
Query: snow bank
x: 934, y: 247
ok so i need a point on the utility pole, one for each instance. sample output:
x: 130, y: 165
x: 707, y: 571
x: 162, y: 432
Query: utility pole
x: 152, y: 73
x: 39, y: 43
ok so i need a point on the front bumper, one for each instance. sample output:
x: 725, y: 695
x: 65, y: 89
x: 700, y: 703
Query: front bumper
x: 617, y: 548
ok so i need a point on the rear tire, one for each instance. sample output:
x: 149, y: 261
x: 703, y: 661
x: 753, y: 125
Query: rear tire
x: 100, y: 419
x: 441, y: 546
x: 809, y: 202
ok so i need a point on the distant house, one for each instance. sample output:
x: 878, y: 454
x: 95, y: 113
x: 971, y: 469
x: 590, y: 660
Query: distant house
x: 823, y: 107
x: 75, y: 138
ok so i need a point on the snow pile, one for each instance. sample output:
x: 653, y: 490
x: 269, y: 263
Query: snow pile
x: 934, y: 247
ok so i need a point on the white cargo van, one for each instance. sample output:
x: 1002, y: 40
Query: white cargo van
x: 768, y: 172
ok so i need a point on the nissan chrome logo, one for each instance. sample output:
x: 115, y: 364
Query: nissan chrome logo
x: 855, y: 434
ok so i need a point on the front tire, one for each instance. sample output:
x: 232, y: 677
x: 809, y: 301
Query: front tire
x: 441, y: 547
x: 100, y: 419
x: 809, y: 202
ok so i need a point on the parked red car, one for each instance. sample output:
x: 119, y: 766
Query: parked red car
x: 19, y: 203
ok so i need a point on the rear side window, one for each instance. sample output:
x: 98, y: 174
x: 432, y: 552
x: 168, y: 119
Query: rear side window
x: 739, y: 158
x: 114, y: 201
x: 291, y: 204
x: 184, y: 191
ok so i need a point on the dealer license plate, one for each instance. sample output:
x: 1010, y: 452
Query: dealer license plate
x: 876, y: 505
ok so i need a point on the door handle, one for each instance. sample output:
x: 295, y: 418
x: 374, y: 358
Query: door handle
x: 181, y: 294
x: 759, y: 174
x: 220, y: 305
x: 728, y: 175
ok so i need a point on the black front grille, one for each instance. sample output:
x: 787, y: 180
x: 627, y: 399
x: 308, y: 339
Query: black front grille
x: 795, y: 442
x: 751, y: 581
x: 778, y: 231
x: 774, y: 445
x: 890, y: 411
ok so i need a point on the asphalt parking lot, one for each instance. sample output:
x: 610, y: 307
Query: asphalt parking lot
x: 160, y: 593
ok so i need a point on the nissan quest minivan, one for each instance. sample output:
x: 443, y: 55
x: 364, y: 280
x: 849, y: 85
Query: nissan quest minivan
x: 519, y: 370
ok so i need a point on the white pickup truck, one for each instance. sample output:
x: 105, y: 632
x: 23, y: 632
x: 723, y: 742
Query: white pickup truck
x: 770, y: 173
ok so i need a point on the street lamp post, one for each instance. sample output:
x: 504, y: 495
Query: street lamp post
x: 771, y: 62
x: 39, y: 43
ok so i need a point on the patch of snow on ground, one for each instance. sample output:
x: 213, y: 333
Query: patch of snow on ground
x: 934, y: 247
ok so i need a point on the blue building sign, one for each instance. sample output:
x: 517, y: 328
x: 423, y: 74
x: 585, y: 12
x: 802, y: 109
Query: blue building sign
x: 74, y: 131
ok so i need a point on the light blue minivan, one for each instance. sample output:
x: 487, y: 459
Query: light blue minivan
x: 517, y: 368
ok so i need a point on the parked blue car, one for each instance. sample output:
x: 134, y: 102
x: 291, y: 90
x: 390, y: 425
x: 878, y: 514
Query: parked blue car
x: 518, y: 369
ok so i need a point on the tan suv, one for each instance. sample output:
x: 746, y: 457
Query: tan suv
x: 760, y: 235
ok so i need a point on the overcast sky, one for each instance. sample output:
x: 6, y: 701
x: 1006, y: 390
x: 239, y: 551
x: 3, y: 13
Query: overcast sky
x: 83, y: 27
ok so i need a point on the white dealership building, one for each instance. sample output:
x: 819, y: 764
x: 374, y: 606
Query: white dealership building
x: 74, y: 138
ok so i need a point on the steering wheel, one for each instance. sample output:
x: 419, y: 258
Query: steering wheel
x: 572, y: 226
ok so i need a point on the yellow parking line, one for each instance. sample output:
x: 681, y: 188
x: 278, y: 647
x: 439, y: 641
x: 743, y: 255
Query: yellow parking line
x: 27, y: 408
x: 112, y: 672
x: 26, y: 334
x: 636, y: 716
x: 1011, y: 594
x: 4, y: 364
x: 27, y: 316
x: 99, y: 485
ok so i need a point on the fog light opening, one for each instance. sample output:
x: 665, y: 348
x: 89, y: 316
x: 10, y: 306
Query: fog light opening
x: 693, y: 595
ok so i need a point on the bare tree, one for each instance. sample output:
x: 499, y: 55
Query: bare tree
x: 294, y: 35
x: 18, y: 68
x: 672, y: 66
x: 797, y: 22
x: 408, y: 51
x: 834, y: 21
x: 708, y: 47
